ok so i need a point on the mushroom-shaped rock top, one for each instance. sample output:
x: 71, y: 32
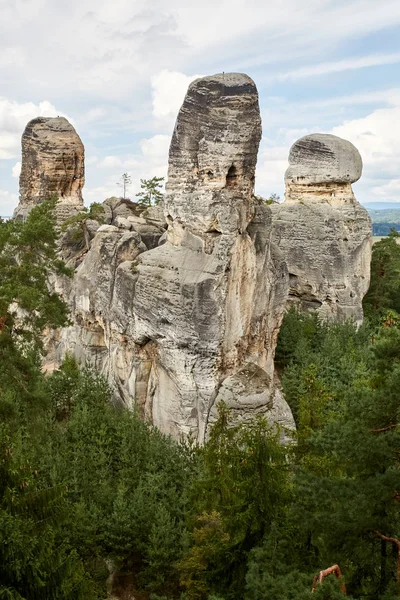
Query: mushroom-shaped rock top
x: 42, y: 127
x: 226, y: 84
x: 323, y: 158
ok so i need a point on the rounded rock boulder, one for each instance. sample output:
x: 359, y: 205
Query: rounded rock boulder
x: 323, y: 158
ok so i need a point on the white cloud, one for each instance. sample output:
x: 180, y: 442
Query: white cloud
x: 273, y: 161
x: 126, y: 73
x: 341, y: 65
x: 377, y: 136
x: 113, y: 162
x: 168, y: 92
x: 156, y: 147
x: 388, y: 190
x: 12, y: 57
x: 8, y: 201
x: 16, y: 170
x: 13, y: 119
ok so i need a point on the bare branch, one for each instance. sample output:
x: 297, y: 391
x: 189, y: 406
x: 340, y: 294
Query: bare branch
x: 319, y: 578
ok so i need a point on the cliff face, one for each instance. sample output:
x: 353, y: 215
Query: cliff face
x: 180, y: 308
x: 194, y: 320
x: 209, y: 302
x: 323, y: 232
x: 52, y: 163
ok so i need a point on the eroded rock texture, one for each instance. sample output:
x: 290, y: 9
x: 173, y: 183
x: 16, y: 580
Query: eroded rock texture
x: 52, y: 164
x: 178, y: 326
x: 323, y: 232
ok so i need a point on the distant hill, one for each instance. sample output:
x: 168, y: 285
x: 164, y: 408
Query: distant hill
x: 381, y: 205
x: 385, y: 219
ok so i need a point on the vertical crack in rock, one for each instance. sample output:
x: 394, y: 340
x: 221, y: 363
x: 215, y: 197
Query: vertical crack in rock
x: 324, y: 233
x: 52, y: 164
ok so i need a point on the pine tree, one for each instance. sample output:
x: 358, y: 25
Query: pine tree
x: 384, y: 290
x: 150, y: 192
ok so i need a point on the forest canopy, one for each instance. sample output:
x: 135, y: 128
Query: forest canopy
x: 93, y: 500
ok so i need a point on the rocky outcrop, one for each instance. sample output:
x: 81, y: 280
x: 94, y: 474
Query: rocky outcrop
x: 52, y: 164
x: 323, y: 232
x: 177, y: 327
x: 210, y: 300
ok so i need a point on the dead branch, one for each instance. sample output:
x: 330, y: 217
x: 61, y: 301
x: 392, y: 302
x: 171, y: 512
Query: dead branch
x: 385, y: 428
x: 319, y: 578
x: 396, y: 543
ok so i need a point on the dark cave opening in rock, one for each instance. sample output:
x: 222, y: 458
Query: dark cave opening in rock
x: 231, y: 177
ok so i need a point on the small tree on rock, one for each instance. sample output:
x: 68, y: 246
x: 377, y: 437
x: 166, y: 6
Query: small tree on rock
x: 150, y: 191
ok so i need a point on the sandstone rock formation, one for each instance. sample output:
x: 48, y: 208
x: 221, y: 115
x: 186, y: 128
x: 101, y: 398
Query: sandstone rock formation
x: 52, y: 164
x: 178, y: 326
x: 323, y: 232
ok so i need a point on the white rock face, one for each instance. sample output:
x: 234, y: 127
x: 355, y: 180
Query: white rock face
x: 179, y: 326
x: 323, y: 232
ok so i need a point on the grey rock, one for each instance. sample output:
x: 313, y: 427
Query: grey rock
x: 323, y: 232
x: 155, y: 215
x: 171, y: 326
x: 123, y: 223
x: 210, y: 299
x: 92, y: 227
x: 213, y: 154
x: 323, y: 158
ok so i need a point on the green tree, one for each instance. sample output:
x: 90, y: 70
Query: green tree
x: 384, y: 290
x: 127, y: 483
x: 28, y: 259
x: 76, y: 225
x: 35, y: 562
x: 273, y: 199
x: 351, y: 505
x: 150, y: 192
x: 241, y: 489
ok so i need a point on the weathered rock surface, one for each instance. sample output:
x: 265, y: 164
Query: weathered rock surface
x: 52, y: 164
x: 180, y: 326
x: 323, y: 232
x: 209, y: 301
x: 322, y: 158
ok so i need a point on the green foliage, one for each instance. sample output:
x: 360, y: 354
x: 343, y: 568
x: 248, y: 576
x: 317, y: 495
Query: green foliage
x: 342, y: 383
x: 76, y: 225
x: 241, y: 488
x: 336, y: 354
x: 127, y: 482
x: 384, y: 290
x: 273, y: 199
x: 34, y: 561
x: 150, y: 192
x: 27, y: 306
x: 88, y: 489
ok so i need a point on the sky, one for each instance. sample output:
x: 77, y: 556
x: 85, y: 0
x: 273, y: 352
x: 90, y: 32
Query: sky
x: 119, y: 71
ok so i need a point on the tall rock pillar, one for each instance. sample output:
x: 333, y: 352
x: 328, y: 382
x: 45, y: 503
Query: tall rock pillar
x: 209, y: 302
x: 52, y: 164
x: 324, y: 233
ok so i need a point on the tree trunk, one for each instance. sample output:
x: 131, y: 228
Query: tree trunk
x: 396, y: 544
